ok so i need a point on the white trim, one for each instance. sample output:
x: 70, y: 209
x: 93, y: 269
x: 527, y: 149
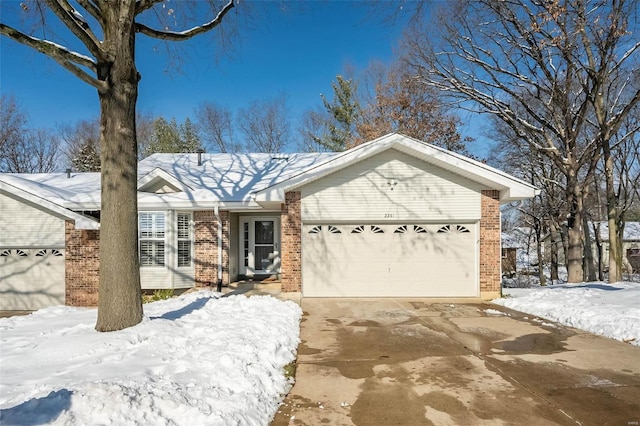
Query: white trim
x: 159, y: 174
x: 251, y: 268
x: 510, y: 188
x: 81, y: 221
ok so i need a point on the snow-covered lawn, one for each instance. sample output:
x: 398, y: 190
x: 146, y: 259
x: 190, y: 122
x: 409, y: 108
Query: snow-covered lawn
x: 611, y: 310
x: 194, y: 360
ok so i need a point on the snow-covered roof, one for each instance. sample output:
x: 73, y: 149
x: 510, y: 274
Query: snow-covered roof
x: 248, y: 181
x: 631, y: 230
x: 518, y: 237
x: 223, y: 179
x: 41, y: 191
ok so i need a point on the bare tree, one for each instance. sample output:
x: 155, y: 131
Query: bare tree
x: 313, y: 128
x: 82, y: 145
x: 106, y: 32
x: 23, y: 149
x: 527, y: 63
x: 265, y: 125
x: 401, y: 103
x: 216, y: 127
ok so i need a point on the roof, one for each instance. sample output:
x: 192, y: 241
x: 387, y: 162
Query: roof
x: 223, y: 178
x: 511, y: 188
x: 631, y: 230
x: 242, y: 181
x: 37, y: 197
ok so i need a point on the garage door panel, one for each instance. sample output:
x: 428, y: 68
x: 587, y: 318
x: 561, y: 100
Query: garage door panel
x: 31, y: 279
x: 390, y: 260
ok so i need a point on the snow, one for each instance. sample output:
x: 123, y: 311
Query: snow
x: 611, y: 310
x: 195, y: 359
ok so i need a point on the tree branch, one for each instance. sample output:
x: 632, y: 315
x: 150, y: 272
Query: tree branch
x: 143, y: 5
x: 93, y: 9
x: 65, y: 12
x: 187, y: 34
x: 58, y: 53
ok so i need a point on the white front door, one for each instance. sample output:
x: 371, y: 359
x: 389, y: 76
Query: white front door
x: 259, y: 245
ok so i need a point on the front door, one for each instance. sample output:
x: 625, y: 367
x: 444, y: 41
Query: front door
x: 259, y: 245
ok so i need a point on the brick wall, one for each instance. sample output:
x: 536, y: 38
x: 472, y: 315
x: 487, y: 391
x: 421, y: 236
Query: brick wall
x: 206, y: 247
x: 291, y: 223
x: 82, y: 263
x: 490, y: 256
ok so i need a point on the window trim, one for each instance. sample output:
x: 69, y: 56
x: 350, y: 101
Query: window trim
x: 154, y: 239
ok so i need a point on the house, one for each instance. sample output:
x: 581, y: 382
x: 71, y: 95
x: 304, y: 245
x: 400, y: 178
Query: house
x: 394, y: 217
x: 518, y: 249
x: 630, y: 244
x: 600, y: 229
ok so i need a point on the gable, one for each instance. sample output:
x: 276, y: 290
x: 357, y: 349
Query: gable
x: 509, y: 187
x: 159, y: 186
x: 394, y: 186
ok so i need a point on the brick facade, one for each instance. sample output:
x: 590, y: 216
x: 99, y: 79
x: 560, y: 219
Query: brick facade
x: 490, y: 256
x: 291, y: 234
x: 206, y: 247
x: 82, y: 263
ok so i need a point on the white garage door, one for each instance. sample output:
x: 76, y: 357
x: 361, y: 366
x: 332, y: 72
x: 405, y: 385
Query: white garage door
x: 31, y: 279
x: 400, y: 260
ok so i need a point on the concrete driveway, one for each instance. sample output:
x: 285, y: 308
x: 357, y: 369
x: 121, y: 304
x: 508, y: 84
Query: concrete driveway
x: 411, y: 362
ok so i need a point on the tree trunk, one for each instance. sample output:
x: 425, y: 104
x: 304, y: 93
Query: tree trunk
x: 596, y: 233
x: 574, y: 231
x: 538, y: 231
x: 613, y: 214
x: 120, y: 299
x: 589, y: 261
x: 553, y: 249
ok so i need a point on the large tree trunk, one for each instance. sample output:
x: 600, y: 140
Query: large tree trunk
x: 120, y: 300
x: 574, y: 231
x: 613, y: 214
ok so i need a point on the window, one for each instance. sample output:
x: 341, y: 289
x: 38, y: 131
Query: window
x: 184, y: 239
x: 151, y: 235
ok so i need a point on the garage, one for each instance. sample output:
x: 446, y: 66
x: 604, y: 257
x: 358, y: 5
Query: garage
x: 31, y: 279
x: 390, y: 260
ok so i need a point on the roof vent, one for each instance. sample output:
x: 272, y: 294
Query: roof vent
x: 68, y: 173
x: 280, y: 157
x: 200, y: 152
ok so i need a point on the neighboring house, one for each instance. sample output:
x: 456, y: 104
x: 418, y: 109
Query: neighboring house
x: 630, y: 245
x: 518, y: 249
x: 509, y: 250
x: 394, y: 217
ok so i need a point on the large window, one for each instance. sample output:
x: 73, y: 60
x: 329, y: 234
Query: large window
x: 184, y: 239
x: 151, y: 236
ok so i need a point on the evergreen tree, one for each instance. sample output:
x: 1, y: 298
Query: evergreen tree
x: 169, y: 136
x: 87, y: 159
x: 344, y: 113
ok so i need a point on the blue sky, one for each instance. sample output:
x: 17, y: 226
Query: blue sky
x: 297, y: 51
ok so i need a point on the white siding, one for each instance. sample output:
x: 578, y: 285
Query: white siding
x: 25, y: 226
x: 390, y: 187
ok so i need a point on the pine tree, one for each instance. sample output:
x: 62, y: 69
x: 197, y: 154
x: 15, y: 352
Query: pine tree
x: 344, y: 112
x: 87, y: 159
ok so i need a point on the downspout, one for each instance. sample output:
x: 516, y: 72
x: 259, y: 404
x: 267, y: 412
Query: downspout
x: 216, y: 212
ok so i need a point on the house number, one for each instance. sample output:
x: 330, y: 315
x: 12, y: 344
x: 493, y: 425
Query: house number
x: 389, y: 215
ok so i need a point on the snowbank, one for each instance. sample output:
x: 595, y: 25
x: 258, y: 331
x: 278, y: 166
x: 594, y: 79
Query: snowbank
x: 196, y: 359
x: 611, y: 310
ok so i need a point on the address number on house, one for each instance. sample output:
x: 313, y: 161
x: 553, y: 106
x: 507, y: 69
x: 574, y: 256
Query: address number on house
x: 389, y: 215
